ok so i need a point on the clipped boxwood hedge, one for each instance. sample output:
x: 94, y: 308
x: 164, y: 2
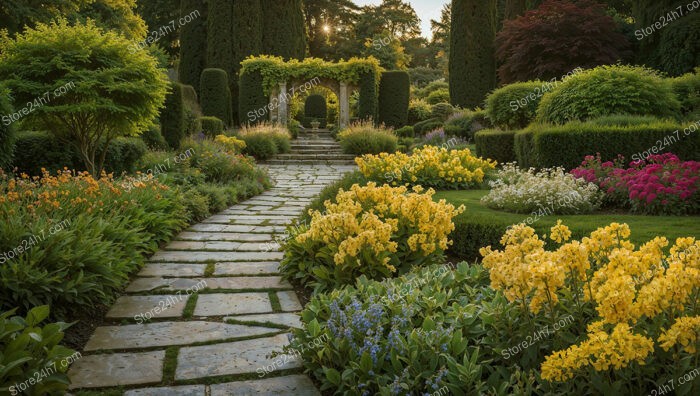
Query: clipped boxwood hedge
x: 251, y: 98
x: 215, y: 95
x: 394, y: 97
x: 568, y: 144
x: 7, y: 132
x: 211, y: 126
x: 496, y: 145
x: 428, y: 125
x: 172, y: 117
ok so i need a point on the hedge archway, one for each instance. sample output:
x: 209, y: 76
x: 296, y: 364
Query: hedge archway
x: 268, y: 83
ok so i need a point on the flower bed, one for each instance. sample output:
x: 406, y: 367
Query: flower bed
x: 429, y: 166
x: 549, y: 190
x: 445, y: 328
x: 373, y: 231
x: 658, y: 185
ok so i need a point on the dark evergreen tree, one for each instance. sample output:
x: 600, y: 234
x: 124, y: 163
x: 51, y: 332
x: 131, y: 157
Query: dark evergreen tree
x: 472, y: 59
x: 215, y: 96
x: 283, y: 29
x: 394, y: 97
x: 193, y: 43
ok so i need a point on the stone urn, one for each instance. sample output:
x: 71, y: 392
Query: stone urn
x: 315, y: 125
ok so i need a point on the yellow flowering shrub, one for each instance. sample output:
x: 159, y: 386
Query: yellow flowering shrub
x: 373, y: 230
x: 429, y: 166
x: 231, y: 143
x: 641, y: 301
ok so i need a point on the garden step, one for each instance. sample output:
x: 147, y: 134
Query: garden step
x: 232, y: 304
x: 284, y: 319
x: 246, y: 268
x: 183, y: 390
x: 174, y: 256
x: 316, y: 156
x: 228, y: 283
x: 241, y: 357
x: 170, y: 306
x: 119, y: 369
x: 309, y: 162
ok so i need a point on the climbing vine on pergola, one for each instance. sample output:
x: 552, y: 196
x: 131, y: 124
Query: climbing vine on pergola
x: 264, y: 83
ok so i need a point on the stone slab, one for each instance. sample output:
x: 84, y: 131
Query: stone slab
x: 297, y: 385
x: 185, y: 390
x: 164, y: 334
x: 232, y: 304
x: 284, y: 319
x: 233, y: 283
x: 246, y: 268
x: 176, y: 256
x: 289, y: 301
x: 144, y: 306
x: 173, y: 269
x: 238, y: 357
x: 119, y: 369
x: 204, y: 245
x: 223, y: 236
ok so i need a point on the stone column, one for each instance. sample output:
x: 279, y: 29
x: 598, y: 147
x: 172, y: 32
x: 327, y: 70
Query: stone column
x: 283, y: 105
x: 271, y: 108
x: 344, y: 117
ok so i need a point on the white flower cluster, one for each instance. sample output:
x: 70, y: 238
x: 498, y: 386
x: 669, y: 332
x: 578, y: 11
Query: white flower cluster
x: 552, y: 191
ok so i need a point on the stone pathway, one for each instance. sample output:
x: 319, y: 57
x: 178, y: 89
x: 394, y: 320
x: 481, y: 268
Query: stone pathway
x: 210, y: 311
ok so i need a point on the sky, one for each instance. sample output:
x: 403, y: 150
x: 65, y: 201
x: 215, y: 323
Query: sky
x: 426, y: 10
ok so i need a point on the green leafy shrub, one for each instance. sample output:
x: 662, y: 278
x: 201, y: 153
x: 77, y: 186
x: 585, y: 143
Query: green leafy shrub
x: 406, y: 131
x: 364, y: 138
x: 515, y: 105
x: 37, y: 150
x: 215, y: 95
x: 443, y: 111
x: 423, y: 93
x: 316, y: 108
x: 428, y: 125
x: 418, y: 111
x: 687, y: 90
x: 565, y: 145
x: 7, y: 131
x: 123, y: 154
x: 294, y: 127
x: 496, y: 145
x: 172, y: 117
x: 608, y: 90
x: 439, y: 96
x: 29, y: 350
x: 211, y: 126
x: 394, y: 96
x: 154, y: 139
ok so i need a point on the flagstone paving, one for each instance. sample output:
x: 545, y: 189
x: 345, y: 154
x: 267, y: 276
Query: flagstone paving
x: 207, y: 313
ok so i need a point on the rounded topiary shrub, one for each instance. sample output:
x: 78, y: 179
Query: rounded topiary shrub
x: 211, y: 126
x: 428, y: 125
x: 316, y: 108
x: 442, y: 111
x: 687, y: 90
x: 608, y: 90
x: 515, y: 105
x: 260, y: 146
x: 172, y: 117
x: 439, y: 96
x: 215, y: 95
x: 7, y: 134
x: 394, y: 97
x: 418, y: 111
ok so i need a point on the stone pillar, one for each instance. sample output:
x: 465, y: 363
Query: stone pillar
x: 272, y: 108
x: 283, y: 105
x: 344, y: 99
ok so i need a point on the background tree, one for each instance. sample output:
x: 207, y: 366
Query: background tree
x: 158, y: 13
x: 15, y: 14
x: 193, y: 41
x: 556, y: 38
x: 472, y: 63
x: 283, y: 29
x: 674, y: 49
x: 330, y: 27
x: 108, y: 90
x: 440, y: 43
x: 117, y: 15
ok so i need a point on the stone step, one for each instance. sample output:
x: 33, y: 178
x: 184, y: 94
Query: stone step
x: 314, y: 156
x: 310, y: 162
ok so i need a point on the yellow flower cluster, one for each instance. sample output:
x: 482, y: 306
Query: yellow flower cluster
x: 633, y: 290
x: 231, y: 143
x: 601, y: 350
x: 372, y: 221
x: 429, y: 166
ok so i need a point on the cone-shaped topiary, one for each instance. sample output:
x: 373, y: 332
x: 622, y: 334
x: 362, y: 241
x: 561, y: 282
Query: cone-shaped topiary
x: 172, y: 117
x: 394, y: 96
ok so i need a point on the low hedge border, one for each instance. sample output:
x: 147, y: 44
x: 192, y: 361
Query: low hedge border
x: 496, y: 145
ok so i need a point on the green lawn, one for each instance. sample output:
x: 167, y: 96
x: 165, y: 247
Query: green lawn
x: 643, y: 228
